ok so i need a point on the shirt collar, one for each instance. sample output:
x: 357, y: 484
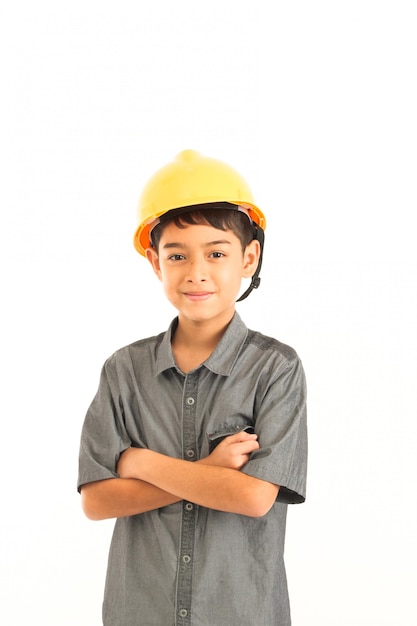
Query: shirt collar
x: 222, y: 358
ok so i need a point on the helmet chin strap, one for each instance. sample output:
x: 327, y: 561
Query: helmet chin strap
x: 256, y: 279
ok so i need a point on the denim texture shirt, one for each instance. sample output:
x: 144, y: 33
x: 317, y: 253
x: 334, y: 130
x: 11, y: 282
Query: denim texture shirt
x: 186, y: 565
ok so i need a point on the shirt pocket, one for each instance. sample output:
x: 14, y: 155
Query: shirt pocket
x: 225, y: 431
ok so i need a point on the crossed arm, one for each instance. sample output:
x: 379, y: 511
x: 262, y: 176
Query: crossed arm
x: 149, y: 480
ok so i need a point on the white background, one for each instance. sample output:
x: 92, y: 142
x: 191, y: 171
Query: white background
x: 315, y: 104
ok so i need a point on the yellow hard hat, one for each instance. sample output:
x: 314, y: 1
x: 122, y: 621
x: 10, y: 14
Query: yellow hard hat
x: 191, y: 179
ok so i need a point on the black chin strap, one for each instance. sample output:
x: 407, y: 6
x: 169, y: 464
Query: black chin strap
x: 256, y: 279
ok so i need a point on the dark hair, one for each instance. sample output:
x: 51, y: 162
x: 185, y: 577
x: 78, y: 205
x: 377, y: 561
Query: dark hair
x: 221, y: 218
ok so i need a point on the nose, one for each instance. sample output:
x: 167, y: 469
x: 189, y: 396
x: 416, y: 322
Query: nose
x: 197, y: 271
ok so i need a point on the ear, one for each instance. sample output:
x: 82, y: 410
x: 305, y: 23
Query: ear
x: 153, y: 259
x: 251, y: 258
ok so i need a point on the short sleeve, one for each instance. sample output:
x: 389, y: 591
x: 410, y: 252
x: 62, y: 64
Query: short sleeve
x: 281, y: 426
x: 103, y: 436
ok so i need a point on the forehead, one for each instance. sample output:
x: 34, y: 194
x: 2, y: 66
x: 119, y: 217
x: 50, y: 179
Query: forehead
x: 196, y: 235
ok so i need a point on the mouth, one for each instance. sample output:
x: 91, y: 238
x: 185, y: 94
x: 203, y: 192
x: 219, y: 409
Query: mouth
x: 196, y: 296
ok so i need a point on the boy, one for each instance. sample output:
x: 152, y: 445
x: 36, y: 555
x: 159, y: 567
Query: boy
x: 196, y: 440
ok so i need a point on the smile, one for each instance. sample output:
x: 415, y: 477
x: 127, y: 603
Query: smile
x: 196, y: 296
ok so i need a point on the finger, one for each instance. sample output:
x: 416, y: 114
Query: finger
x: 246, y: 447
x: 244, y: 436
x: 241, y: 436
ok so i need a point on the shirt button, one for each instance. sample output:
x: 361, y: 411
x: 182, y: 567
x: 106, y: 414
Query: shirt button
x: 186, y: 558
x: 190, y: 401
x: 183, y: 613
x: 190, y: 454
x: 189, y: 506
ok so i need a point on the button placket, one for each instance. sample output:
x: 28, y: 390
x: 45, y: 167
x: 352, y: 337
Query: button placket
x: 189, y: 452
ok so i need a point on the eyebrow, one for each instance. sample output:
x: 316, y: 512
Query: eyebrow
x: 175, y: 244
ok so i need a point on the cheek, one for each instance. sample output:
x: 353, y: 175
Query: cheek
x: 168, y: 280
x: 169, y: 291
x: 231, y: 278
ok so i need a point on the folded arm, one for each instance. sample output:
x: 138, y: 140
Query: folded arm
x: 120, y: 497
x: 149, y: 480
x: 215, y: 487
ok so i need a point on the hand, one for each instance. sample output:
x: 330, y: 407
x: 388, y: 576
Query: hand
x: 234, y: 451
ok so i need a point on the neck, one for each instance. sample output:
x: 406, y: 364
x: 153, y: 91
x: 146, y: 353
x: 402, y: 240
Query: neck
x: 193, y: 342
x: 201, y: 333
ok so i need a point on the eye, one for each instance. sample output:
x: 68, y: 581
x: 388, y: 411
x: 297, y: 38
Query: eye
x: 176, y: 257
x: 217, y: 255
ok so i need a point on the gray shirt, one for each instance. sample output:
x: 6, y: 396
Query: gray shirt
x: 185, y: 564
